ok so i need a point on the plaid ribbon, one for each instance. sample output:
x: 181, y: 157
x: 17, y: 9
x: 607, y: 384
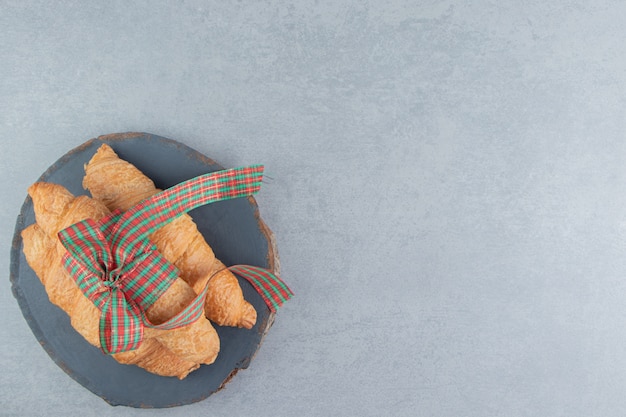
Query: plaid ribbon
x: 123, y: 274
x: 271, y: 288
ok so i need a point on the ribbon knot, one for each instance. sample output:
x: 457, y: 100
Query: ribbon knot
x: 123, y: 274
x: 112, y: 278
x: 111, y: 283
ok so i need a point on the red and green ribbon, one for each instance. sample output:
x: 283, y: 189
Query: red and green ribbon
x: 122, y: 272
x: 272, y: 289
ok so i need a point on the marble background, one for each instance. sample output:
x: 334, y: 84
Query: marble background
x: 447, y: 190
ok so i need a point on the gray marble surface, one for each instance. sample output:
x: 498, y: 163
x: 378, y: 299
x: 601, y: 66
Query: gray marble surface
x: 448, y: 190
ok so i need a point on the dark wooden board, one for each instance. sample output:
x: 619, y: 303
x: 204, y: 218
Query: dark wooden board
x: 234, y: 230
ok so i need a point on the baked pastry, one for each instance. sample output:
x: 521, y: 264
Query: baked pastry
x: 41, y: 254
x: 120, y: 185
x: 55, y: 209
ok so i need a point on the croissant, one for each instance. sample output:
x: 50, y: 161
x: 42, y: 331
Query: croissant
x: 120, y: 185
x: 41, y: 254
x: 55, y: 209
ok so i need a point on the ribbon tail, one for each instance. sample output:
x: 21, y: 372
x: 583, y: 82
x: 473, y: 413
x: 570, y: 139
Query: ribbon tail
x: 120, y: 324
x: 271, y: 288
x: 161, y: 208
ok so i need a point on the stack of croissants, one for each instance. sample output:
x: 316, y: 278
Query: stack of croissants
x: 117, y: 184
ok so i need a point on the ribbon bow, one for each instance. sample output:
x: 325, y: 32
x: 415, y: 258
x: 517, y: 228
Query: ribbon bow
x: 122, y: 273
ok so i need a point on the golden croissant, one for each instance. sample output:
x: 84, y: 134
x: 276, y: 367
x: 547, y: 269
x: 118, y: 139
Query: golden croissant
x: 120, y: 185
x: 164, y: 352
x: 41, y: 254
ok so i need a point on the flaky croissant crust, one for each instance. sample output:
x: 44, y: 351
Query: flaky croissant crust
x: 120, y: 185
x: 170, y: 353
